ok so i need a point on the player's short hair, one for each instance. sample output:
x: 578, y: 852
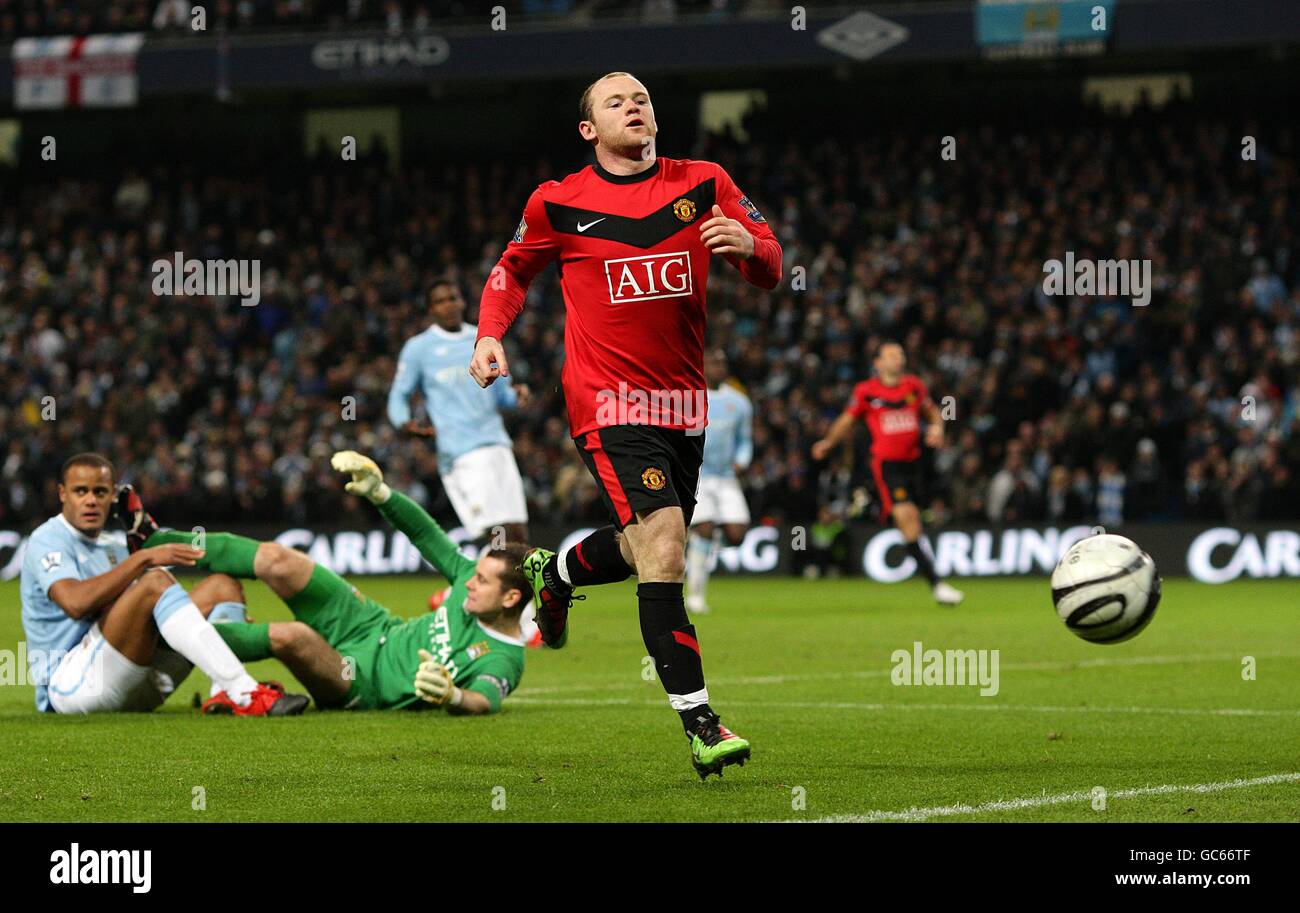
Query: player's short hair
x: 87, y: 459
x: 440, y: 281
x: 584, y: 103
x: 512, y: 556
x: 880, y: 346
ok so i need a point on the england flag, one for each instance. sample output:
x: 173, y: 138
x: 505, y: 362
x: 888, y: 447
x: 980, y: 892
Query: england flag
x: 95, y: 71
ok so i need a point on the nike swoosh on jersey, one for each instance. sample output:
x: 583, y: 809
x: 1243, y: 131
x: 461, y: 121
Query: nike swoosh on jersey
x: 643, y: 231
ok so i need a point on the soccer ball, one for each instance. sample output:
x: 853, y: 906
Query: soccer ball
x: 1106, y: 589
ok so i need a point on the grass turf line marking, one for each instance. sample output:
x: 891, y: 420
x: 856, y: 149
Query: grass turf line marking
x: 849, y: 705
x: 1006, y: 805
x: 1046, y: 666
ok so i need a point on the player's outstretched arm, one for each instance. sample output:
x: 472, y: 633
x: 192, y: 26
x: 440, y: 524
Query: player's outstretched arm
x: 839, y: 430
x: 533, y: 246
x: 403, y: 513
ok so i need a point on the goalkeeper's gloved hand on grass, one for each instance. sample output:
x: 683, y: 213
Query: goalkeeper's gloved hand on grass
x: 367, y: 479
x: 433, y: 682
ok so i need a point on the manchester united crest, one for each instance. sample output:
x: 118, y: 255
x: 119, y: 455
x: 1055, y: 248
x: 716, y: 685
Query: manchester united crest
x: 653, y: 478
x: 684, y: 209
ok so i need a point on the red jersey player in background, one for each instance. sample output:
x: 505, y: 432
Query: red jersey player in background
x: 634, y: 235
x: 892, y: 404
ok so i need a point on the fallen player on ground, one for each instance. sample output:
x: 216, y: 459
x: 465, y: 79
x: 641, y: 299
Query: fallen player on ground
x: 349, y: 651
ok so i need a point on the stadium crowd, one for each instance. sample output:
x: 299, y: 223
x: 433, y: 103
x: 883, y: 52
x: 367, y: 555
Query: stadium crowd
x: 1059, y: 409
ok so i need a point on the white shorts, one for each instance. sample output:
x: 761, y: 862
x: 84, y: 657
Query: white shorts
x: 720, y: 500
x: 95, y: 678
x: 485, y: 489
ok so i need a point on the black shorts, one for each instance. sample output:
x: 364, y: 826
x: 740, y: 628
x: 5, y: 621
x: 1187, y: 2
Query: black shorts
x: 643, y: 467
x: 897, y: 482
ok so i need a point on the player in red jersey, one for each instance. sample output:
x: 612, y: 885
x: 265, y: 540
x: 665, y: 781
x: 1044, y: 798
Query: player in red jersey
x: 892, y: 404
x: 634, y: 235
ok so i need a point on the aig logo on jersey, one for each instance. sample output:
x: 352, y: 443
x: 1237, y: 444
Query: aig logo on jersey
x: 646, y: 278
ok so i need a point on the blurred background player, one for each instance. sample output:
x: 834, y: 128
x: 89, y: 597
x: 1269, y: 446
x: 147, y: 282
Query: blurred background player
x: 892, y: 404
x: 635, y: 235
x: 475, y: 459
x: 108, y: 628
x: 728, y: 450
x: 352, y: 653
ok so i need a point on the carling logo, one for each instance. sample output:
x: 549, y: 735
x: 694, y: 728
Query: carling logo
x: 647, y: 278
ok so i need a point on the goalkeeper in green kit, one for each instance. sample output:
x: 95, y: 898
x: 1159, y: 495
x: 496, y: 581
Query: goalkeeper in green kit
x: 348, y: 650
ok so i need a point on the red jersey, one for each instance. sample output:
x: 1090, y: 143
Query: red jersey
x: 634, y: 274
x: 893, y: 414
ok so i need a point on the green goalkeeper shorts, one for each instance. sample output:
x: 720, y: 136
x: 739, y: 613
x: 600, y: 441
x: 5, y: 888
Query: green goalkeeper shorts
x: 352, y: 623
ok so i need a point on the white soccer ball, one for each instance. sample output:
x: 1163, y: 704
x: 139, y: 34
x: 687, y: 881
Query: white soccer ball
x: 1105, y: 588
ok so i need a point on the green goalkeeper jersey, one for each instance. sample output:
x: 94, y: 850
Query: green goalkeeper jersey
x: 479, y: 659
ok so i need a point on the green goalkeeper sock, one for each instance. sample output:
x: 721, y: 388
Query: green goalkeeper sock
x: 249, y: 642
x: 225, y: 553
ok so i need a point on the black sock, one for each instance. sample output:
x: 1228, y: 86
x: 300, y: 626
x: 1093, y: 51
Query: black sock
x: 923, y: 562
x: 671, y: 640
x: 597, y: 559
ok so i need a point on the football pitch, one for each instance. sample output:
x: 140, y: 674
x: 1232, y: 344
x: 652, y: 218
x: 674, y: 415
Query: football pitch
x: 1197, y: 719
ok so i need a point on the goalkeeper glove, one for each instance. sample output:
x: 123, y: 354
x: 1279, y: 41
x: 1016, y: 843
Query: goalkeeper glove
x: 433, y: 682
x: 367, y: 479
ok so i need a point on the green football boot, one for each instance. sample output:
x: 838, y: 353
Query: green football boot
x: 551, y: 595
x: 714, y: 746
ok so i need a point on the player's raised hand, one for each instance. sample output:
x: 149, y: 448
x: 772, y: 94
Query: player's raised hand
x: 722, y: 235
x: 433, y: 682
x: 367, y: 479
x: 820, y: 449
x: 524, y: 394
x: 489, y: 361
x: 172, y: 555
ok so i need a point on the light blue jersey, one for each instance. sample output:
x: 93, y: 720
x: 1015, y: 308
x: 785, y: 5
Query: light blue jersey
x: 464, y: 414
x: 56, y: 551
x: 729, y: 439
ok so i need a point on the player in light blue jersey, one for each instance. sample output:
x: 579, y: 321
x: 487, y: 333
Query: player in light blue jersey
x: 108, y: 628
x: 475, y: 458
x: 728, y: 449
x: 476, y: 461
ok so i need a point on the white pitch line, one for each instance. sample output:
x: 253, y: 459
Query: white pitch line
x: 1006, y: 805
x: 849, y: 705
x: 1046, y: 666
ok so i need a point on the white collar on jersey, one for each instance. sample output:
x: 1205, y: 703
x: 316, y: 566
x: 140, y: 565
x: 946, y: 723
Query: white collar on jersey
x: 465, y: 329
x: 101, y: 539
x: 504, y: 638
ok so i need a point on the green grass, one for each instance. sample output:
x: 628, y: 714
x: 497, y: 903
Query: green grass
x: 801, y: 669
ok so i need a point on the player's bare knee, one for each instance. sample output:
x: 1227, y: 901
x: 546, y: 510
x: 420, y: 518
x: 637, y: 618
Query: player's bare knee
x: 288, y: 637
x: 224, y: 588
x: 153, y: 583
x: 273, y: 561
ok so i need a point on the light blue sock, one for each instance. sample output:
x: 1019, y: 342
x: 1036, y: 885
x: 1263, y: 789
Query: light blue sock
x: 169, y: 603
x: 228, y: 611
